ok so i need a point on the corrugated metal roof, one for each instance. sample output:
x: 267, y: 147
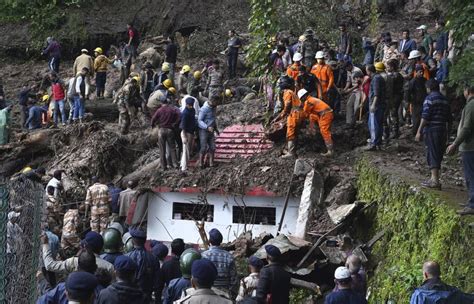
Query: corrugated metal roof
x: 241, y: 141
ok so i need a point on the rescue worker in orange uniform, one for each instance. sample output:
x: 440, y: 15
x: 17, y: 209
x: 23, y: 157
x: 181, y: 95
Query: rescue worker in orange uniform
x: 324, y: 73
x: 293, y: 111
x: 294, y: 70
x: 319, y: 113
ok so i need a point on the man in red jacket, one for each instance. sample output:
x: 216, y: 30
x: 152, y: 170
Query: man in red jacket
x: 58, y: 92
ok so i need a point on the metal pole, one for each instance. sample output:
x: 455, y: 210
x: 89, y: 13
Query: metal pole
x: 287, y: 198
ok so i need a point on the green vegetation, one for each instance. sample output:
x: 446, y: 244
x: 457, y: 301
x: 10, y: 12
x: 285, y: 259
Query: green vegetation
x: 419, y: 226
x: 460, y: 14
x: 262, y: 26
x: 45, y: 17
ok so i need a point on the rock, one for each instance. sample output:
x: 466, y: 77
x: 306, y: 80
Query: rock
x: 151, y: 55
x: 338, y: 213
x: 343, y: 193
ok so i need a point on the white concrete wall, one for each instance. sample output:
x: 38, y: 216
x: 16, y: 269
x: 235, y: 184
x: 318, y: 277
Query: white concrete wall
x: 161, y: 207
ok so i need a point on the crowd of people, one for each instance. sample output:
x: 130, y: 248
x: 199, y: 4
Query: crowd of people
x: 398, y: 83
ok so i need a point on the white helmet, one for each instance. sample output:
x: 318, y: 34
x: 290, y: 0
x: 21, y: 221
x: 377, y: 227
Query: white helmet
x: 342, y: 273
x: 319, y: 55
x: 297, y: 57
x: 301, y: 93
x: 414, y: 54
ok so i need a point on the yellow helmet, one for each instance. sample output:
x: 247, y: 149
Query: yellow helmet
x: 45, y: 98
x: 136, y: 78
x: 379, y: 66
x: 98, y: 50
x: 197, y: 75
x: 165, y: 67
x: 167, y: 83
x: 26, y: 170
x: 228, y: 93
x: 186, y: 69
x: 172, y: 90
x: 302, y: 38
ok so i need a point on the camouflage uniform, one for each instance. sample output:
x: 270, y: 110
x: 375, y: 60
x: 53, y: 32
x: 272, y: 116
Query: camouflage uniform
x: 70, y: 239
x: 214, y: 83
x: 99, y: 199
x: 127, y: 99
x: 53, y: 214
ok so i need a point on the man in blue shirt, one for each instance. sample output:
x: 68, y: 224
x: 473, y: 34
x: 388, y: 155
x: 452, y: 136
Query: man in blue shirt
x: 435, y: 291
x: 377, y: 104
x: 223, y: 260
x: 435, y: 117
x: 35, y: 114
x: 207, y: 127
x: 406, y: 43
x: 344, y: 294
x: 442, y: 40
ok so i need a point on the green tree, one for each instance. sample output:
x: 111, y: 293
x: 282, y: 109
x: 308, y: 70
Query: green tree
x: 461, y: 22
x: 262, y: 26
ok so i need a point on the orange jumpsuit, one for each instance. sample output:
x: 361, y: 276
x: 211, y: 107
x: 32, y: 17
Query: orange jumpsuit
x: 319, y: 112
x: 293, y: 71
x: 326, y: 78
x: 426, y: 71
x: 294, y: 109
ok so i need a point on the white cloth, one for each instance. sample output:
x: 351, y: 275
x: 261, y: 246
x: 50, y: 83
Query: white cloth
x: 196, y: 105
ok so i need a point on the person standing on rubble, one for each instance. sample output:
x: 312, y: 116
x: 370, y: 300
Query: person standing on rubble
x: 147, y: 80
x: 148, y: 271
x: 309, y: 48
x: 321, y: 114
x: 377, y: 104
x: 293, y: 112
x: 465, y: 142
x: 435, y: 118
x: 166, y: 118
x: 224, y: 262
x: 133, y: 39
x: 183, y: 80
x: 324, y: 74
x: 274, y: 282
x: 188, y: 126
x: 81, y: 87
x: 344, y: 293
x: 101, y: 65
x: 214, y: 86
x: 83, y: 61
x: 207, y: 123
x: 233, y: 46
x: 127, y: 98
x: 171, y: 55
x: 53, y: 50
x: 98, y: 199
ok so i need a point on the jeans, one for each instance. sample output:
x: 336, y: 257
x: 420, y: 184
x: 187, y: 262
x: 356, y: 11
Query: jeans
x: 232, y: 62
x: 171, y: 74
x: 376, y: 126
x: 435, y: 141
x: 59, y: 107
x: 207, y: 140
x: 468, y: 166
x: 79, y: 108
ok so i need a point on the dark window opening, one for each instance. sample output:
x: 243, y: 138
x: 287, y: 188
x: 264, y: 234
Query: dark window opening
x: 190, y: 211
x: 254, y: 215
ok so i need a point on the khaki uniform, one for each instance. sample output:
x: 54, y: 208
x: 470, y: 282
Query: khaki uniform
x: 83, y: 61
x: 203, y: 296
x: 53, y: 214
x: 71, y: 264
x: 99, y: 199
x: 70, y: 239
x: 155, y: 100
x: 126, y: 98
